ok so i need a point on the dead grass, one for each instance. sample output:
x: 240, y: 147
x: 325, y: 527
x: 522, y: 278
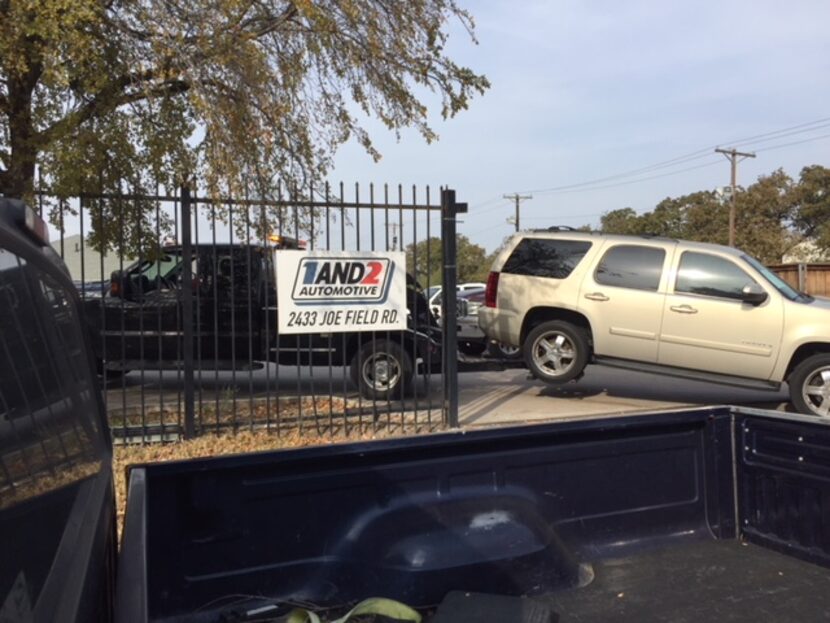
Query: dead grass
x: 212, y: 445
x: 238, y: 411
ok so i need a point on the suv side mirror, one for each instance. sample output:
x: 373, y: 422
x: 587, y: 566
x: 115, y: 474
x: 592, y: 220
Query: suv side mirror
x: 753, y: 294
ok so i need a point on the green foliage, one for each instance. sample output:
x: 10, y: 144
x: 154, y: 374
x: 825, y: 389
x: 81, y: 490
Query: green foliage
x: 812, y: 205
x: 243, y: 96
x: 772, y: 215
x: 424, y: 261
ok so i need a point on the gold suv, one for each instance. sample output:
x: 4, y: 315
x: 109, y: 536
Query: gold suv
x: 701, y: 311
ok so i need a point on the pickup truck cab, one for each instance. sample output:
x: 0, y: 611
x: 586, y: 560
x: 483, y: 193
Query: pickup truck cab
x: 139, y: 323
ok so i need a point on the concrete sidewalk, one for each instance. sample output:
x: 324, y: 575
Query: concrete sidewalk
x: 490, y: 398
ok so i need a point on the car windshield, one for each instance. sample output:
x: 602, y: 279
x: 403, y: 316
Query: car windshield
x: 777, y: 282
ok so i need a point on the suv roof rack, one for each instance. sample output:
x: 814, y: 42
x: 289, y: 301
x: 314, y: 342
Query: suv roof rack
x: 560, y: 228
x: 555, y: 228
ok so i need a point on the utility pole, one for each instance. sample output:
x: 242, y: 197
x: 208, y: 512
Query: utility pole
x: 394, y: 227
x: 518, y: 199
x: 734, y: 158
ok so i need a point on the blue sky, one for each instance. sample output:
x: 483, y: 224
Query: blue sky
x: 588, y: 89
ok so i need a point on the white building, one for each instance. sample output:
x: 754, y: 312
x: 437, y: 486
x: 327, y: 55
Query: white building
x: 76, y: 252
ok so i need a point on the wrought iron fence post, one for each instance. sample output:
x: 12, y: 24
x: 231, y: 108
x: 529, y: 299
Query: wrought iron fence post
x: 187, y: 316
x: 449, y: 337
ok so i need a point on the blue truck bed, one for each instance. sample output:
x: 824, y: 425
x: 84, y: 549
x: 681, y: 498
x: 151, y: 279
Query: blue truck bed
x: 672, y: 516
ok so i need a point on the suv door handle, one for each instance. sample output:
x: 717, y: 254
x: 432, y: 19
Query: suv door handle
x: 683, y: 309
x: 596, y: 296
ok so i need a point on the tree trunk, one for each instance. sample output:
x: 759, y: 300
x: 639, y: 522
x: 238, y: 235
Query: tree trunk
x: 18, y: 180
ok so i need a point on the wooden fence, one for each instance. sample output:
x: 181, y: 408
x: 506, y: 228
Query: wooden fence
x: 810, y: 278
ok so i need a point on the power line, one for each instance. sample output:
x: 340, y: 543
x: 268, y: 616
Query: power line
x: 695, y: 155
x: 769, y: 136
x: 637, y: 181
x: 806, y: 140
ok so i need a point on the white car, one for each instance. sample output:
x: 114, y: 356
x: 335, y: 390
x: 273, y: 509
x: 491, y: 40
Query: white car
x: 471, y: 339
x: 433, y: 294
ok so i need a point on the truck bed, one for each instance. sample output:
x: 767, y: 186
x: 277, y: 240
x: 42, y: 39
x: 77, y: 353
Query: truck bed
x: 716, y: 580
x: 706, y: 513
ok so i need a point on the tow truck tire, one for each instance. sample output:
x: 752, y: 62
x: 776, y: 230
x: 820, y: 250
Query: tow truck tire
x: 474, y: 349
x: 499, y: 350
x: 110, y: 374
x: 381, y: 369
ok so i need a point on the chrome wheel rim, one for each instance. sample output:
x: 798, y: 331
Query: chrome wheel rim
x: 554, y: 353
x: 816, y: 391
x: 381, y: 371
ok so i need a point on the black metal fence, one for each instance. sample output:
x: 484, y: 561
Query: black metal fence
x: 179, y: 296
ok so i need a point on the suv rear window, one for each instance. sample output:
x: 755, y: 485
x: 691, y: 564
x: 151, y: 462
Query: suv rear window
x: 546, y: 257
x: 631, y: 266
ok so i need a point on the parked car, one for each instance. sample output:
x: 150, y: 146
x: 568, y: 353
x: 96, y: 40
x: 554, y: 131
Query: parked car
x: 674, y: 307
x: 433, y: 294
x: 471, y: 339
x: 92, y: 289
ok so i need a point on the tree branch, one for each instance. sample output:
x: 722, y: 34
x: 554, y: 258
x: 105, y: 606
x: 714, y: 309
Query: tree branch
x: 110, y: 98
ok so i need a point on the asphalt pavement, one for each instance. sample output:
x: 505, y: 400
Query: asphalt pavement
x: 485, y: 398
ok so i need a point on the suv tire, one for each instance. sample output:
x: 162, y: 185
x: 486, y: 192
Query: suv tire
x: 381, y: 369
x: 556, y: 351
x: 810, y: 386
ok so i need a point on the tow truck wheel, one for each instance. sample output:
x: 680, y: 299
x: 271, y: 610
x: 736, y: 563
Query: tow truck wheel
x: 381, y: 369
x: 499, y: 350
x: 110, y: 374
x: 474, y: 349
x: 810, y: 386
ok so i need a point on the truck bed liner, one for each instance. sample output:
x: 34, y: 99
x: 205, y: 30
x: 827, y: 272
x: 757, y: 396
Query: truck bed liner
x: 657, y: 506
x: 719, y: 580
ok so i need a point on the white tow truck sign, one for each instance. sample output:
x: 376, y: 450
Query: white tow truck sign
x: 339, y: 291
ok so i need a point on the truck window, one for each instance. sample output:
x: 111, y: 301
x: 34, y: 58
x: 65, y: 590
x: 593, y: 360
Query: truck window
x: 50, y: 438
x: 163, y: 267
x: 546, y: 257
x: 710, y: 275
x: 631, y: 266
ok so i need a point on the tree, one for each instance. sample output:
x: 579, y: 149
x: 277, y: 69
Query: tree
x: 811, y: 212
x: 764, y: 213
x: 623, y: 221
x: 246, y: 95
x: 424, y: 261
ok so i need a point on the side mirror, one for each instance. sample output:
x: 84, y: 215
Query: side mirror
x: 753, y: 294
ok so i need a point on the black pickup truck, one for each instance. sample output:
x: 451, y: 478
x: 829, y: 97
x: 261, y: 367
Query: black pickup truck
x: 139, y: 322
x: 709, y: 514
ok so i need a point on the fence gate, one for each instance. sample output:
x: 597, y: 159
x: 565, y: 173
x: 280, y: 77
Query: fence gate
x: 179, y: 293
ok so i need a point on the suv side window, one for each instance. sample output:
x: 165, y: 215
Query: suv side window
x: 710, y: 275
x: 546, y: 257
x: 631, y: 266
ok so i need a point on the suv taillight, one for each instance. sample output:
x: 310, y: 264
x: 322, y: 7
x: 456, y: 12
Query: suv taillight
x: 492, y: 289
